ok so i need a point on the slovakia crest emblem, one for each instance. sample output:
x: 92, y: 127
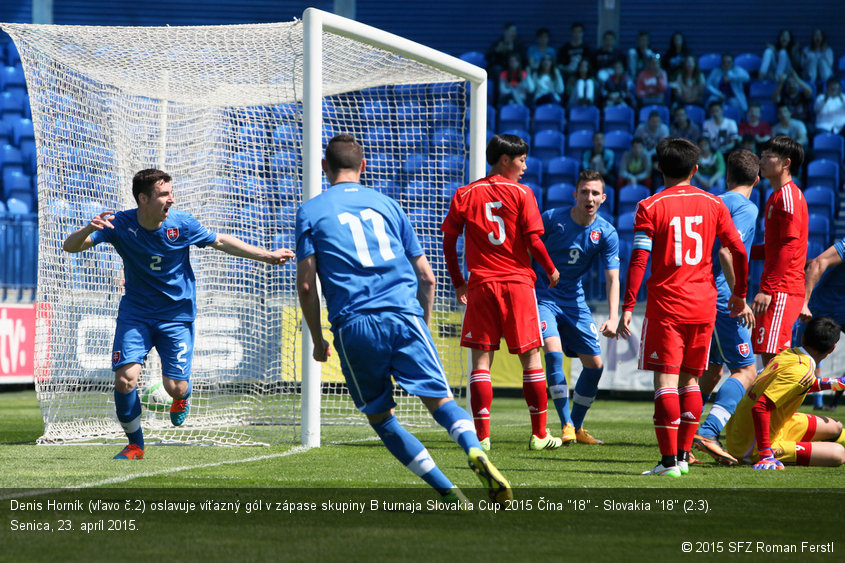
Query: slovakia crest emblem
x: 543, y: 326
x: 595, y: 236
x: 743, y: 349
x: 172, y: 234
x: 115, y: 356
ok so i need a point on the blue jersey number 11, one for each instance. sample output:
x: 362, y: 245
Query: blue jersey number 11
x: 360, y: 240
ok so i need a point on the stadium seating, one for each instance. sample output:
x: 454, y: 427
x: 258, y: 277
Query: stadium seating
x: 732, y: 112
x: 418, y: 192
x: 15, y: 206
x: 533, y: 170
x: 447, y: 140
x: 819, y: 229
x: 474, y: 58
x: 560, y: 196
x: 696, y: 114
x: 618, y: 118
x: 578, y: 142
x: 548, y: 144
x: 537, y: 190
x: 829, y: 146
x: 629, y: 196
x: 584, y: 118
x: 16, y: 181
x: 446, y: 114
x: 748, y: 61
x: 12, y: 104
x: 452, y: 167
x: 625, y: 224
x: 562, y: 169
x: 709, y: 61
x: 514, y: 116
x: 823, y: 172
x: 768, y: 111
x: 549, y: 116
x: 618, y: 142
x: 521, y: 133
x: 376, y: 110
x: 659, y: 108
x: 382, y: 166
x: 821, y: 200
x: 761, y: 90
x: 11, y: 78
x: 414, y: 166
x: 755, y: 198
x: 609, y: 205
x: 408, y: 111
x: 412, y: 139
x: 287, y: 135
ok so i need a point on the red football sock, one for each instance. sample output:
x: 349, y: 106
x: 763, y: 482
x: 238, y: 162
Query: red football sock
x: 667, y: 415
x: 691, y: 404
x: 534, y: 389
x: 481, y: 399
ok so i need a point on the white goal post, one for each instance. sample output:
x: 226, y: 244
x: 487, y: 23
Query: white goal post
x: 239, y: 116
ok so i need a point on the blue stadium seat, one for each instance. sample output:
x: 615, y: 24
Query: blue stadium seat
x: 733, y: 113
x: 414, y: 166
x: 449, y: 190
x: 376, y: 110
x: 15, y: 181
x: 548, y: 144
x: 521, y: 133
x: 821, y: 200
x: 625, y: 223
x: 760, y: 90
x: 696, y: 114
x: 474, y: 58
x: 609, y: 205
x: 447, y: 115
x: 829, y: 146
x: 379, y: 139
x: 629, y: 196
x: 15, y: 206
x: 584, y: 118
x: 578, y: 142
x: 12, y: 55
x: 388, y: 188
x: 659, y: 108
x: 562, y: 169
x: 823, y: 172
x: 533, y: 170
x: 560, y: 196
x: 452, y: 167
x: 819, y: 229
x: 749, y: 61
x: 549, y: 116
x: 768, y: 111
x: 709, y: 61
x: 287, y: 134
x: 447, y: 141
x: 12, y: 104
x: 618, y: 142
x: 412, y: 139
x: 514, y: 116
x: 284, y: 163
x: 537, y: 190
x: 418, y: 192
x: 380, y: 166
x: 409, y: 112
x: 618, y: 118
x: 11, y: 77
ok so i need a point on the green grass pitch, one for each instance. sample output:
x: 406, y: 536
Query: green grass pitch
x: 580, y: 502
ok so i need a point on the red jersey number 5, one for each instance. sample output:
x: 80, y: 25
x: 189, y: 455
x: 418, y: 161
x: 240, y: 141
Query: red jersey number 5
x: 497, y: 235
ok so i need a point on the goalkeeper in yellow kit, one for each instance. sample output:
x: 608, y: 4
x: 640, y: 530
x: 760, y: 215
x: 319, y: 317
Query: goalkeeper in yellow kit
x: 767, y: 431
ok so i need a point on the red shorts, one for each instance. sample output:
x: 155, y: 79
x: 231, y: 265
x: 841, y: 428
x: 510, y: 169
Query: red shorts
x: 501, y: 308
x: 672, y: 347
x: 773, y: 332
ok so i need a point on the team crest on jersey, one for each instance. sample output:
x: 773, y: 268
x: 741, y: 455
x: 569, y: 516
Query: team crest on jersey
x: 115, y: 356
x: 743, y: 349
x: 172, y: 234
x: 542, y: 326
x: 595, y: 236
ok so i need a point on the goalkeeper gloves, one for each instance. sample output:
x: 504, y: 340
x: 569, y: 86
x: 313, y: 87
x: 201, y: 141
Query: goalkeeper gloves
x: 767, y: 460
x: 838, y: 384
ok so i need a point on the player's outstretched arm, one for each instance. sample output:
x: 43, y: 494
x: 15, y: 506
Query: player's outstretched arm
x: 237, y: 247
x: 426, y: 282
x: 80, y: 240
x: 611, y: 325
x: 309, y: 302
x: 815, y: 268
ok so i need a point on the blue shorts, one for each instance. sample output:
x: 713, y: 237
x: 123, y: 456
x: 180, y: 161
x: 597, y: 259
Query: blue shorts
x: 174, y: 341
x: 731, y: 343
x: 373, y: 347
x: 573, y: 324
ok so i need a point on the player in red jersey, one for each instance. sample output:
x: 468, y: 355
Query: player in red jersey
x: 677, y: 227
x: 501, y: 225
x: 784, y: 249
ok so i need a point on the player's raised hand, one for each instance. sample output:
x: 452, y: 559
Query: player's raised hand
x: 321, y: 350
x: 624, y: 328
x: 280, y: 256
x: 102, y: 220
x: 555, y: 277
x: 768, y: 461
x: 461, y: 294
x: 761, y: 303
x: 805, y: 314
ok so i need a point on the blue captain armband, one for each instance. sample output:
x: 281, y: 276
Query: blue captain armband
x: 642, y: 241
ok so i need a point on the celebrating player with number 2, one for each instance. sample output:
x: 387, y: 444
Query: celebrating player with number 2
x: 159, y: 304
x: 678, y: 226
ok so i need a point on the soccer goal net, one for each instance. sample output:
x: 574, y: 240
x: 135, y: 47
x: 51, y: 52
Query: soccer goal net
x: 221, y: 109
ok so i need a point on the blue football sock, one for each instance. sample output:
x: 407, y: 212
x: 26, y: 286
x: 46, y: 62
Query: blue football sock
x: 411, y: 453
x: 458, y: 423
x: 558, y: 388
x: 585, y: 394
x: 728, y: 397
x: 128, y: 409
x: 818, y: 400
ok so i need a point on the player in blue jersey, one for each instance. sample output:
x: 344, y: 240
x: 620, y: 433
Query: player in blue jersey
x: 379, y: 290
x: 575, y: 239
x: 731, y: 342
x: 159, y: 304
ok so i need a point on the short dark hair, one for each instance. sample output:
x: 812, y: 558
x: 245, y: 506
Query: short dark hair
x: 821, y: 334
x: 511, y: 145
x: 742, y: 168
x: 344, y: 153
x: 786, y: 147
x: 145, y: 180
x: 589, y: 176
x: 677, y: 157
x: 713, y: 103
x: 577, y: 25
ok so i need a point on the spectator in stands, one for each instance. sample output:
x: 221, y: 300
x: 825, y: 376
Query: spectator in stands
x: 817, y: 58
x: 500, y: 51
x: 638, y: 56
x: 749, y: 143
x: 651, y: 132
x: 516, y: 85
x: 779, y: 58
x: 540, y: 48
x: 722, y: 131
x: 792, y: 128
x: 797, y: 95
x: 600, y: 159
x: 726, y: 83
x: 683, y: 127
x: 711, y: 166
x: 606, y: 55
x: 618, y: 88
x: 830, y: 108
x: 583, y: 89
x: 635, y: 166
x: 548, y: 82
x: 754, y: 126
x: 652, y: 83
x: 678, y: 51
x: 688, y: 84
x: 574, y: 51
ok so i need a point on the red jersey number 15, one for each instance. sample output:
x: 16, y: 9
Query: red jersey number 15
x: 678, y: 234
